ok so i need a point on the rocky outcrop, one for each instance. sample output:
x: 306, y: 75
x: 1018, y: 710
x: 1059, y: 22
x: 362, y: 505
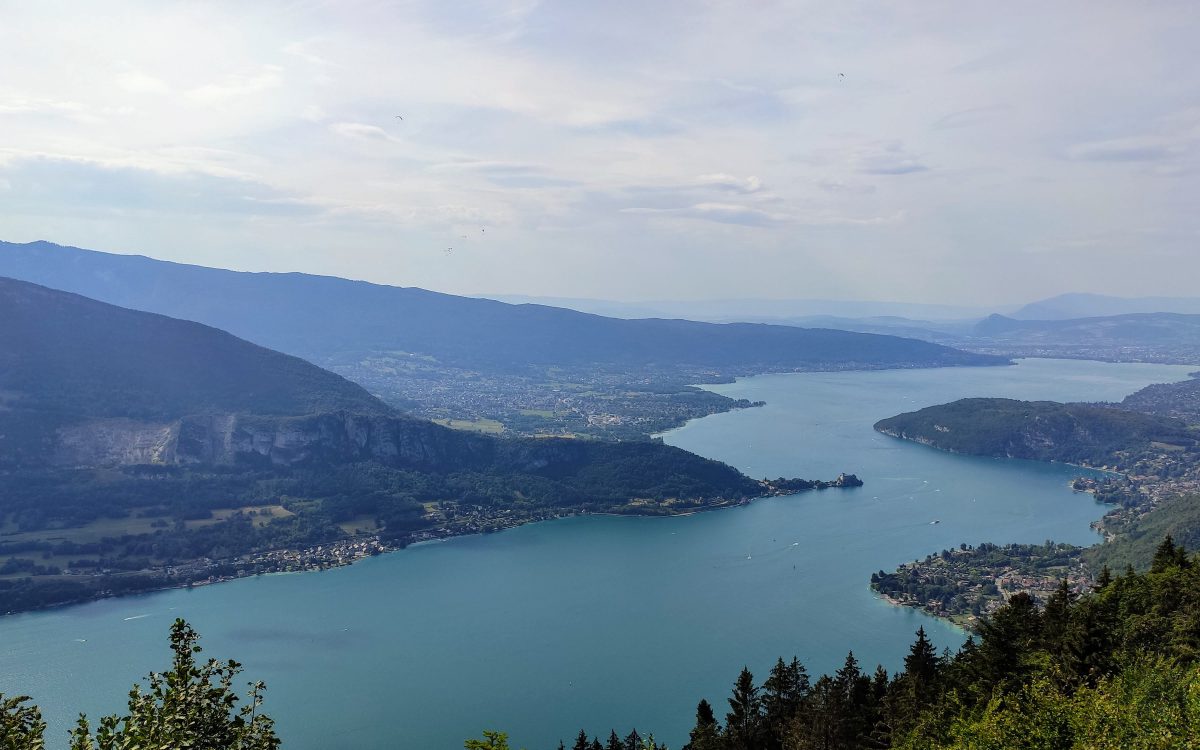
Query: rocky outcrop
x: 224, y: 439
x: 115, y: 442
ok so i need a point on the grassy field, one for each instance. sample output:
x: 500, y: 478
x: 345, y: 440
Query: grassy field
x: 359, y: 525
x: 486, y: 426
x: 92, y: 532
x: 261, y: 515
x: 544, y: 413
x: 116, y: 527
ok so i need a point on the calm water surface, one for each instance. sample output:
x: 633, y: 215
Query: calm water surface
x: 605, y: 622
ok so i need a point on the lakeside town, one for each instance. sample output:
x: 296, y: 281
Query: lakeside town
x: 968, y: 583
x: 445, y: 520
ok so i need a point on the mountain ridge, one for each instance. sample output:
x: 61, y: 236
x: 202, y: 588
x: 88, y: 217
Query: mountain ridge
x: 1089, y: 305
x: 318, y: 317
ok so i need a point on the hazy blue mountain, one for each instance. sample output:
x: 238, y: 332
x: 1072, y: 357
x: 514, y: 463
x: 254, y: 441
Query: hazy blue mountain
x: 320, y: 317
x: 1078, y: 305
x: 62, y: 353
x: 757, y: 310
x: 1135, y: 329
x: 948, y: 332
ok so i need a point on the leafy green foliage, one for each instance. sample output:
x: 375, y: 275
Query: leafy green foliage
x: 193, y: 706
x: 21, y: 725
x: 491, y: 741
x: 1178, y: 517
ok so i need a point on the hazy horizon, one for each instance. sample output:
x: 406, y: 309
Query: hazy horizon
x: 942, y: 153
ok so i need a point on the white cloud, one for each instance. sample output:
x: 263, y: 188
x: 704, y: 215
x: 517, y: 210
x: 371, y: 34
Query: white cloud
x: 1123, y: 149
x: 139, y: 82
x: 360, y: 130
x: 238, y: 85
x: 605, y: 155
x: 730, y: 183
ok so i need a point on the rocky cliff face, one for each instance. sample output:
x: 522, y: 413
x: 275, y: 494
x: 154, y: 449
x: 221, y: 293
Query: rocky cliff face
x: 281, y: 441
x: 115, y: 442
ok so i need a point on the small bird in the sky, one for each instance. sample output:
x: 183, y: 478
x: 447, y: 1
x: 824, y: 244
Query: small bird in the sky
x: 399, y: 117
x: 841, y: 75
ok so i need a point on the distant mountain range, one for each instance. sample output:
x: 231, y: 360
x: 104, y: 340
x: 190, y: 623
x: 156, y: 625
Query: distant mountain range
x: 862, y: 313
x: 1151, y: 336
x: 1079, y: 305
x: 1069, y: 325
x: 320, y: 317
x: 1133, y: 329
x: 756, y: 310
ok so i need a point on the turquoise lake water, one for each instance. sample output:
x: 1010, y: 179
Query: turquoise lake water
x: 605, y: 622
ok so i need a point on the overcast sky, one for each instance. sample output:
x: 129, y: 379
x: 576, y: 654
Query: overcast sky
x: 956, y: 152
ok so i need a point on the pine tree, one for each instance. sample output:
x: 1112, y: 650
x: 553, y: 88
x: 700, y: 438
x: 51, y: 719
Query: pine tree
x: 880, y: 733
x: 581, y: 742
x: 596, y: 744
x: 1056, y: 617
x: 782, y: 693
x: 1105, y: 578
x: 818, y: 724
x: 921, y: 664
x: 743, y: 723
x: 918, y: 686
x: 706, y: 735
x: 633, y: 741
x: 857, y: 703
x: 614, y: 742
x: 1008, y: 638
x: 1166, y: 556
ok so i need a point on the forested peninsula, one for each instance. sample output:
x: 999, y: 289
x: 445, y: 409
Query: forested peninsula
x: 1149, y: 445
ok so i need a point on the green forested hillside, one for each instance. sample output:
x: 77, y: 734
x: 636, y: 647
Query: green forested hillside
x: 1039, y: 430
x: 1177, y: 400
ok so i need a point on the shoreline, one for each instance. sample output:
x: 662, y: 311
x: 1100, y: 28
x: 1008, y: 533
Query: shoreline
x: 346, y: 552
x: 950, y: 620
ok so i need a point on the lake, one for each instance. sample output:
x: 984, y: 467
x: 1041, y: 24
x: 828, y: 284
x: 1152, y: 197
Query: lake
x: 605, y: 622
